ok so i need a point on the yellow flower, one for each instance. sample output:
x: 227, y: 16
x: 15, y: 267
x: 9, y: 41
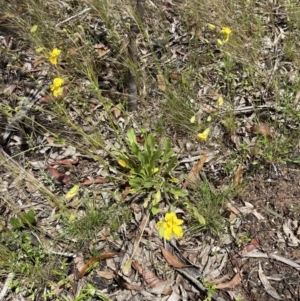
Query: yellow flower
x: 203, y: 136
x: 54, y: 56
x: 226, y: 31
x: 56, y: 87
x: 170, y: 227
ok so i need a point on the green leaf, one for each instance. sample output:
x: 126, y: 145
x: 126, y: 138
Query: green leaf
x: 27, y: 218
x: 150, y: 143
x: 16, y: 223
x: 154, y: 158
x: 135, y: 149
x: 177, y: 191
x: 148, y: 183
x: 155, y: 209
x: 167, y: 155
x: 167, y: 145
x: 143, y: 158
x: 136, y: 182
x: 131, y: 136
x: 171, y: 165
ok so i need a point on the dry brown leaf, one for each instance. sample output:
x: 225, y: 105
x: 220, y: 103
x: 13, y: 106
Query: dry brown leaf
x: 65, y: 162
x: 194, y: 173
x: 172, y: 259
x: 175, y: 76
x: 116, y: 111
x: 230, y: 284
x: 73, y: 50
x: 37, y: 62
x: 124, y: 284
x: 149, y: 276
x: 251, y: 246
x: 262, y: 129
x: 62, y: 178
x: 151, y: 279
x: 88, y: 182
x: 125, y: 193
x: 106, y: 274
x: 93, y: 260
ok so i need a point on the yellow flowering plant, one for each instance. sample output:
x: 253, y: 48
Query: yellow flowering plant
x: 225, y: 31
x: 57, y: 87
x: 149, y: 167
x: 203, y: 136
x: 53, y: 58
x: 170, y: 227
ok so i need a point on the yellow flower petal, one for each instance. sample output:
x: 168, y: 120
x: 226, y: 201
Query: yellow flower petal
x: 58, y: 92
x: 170, y: 216
x: 170, y: 227
x: 226, y: 31
x: 178, y: 232
x: 203, y: 136
x: 57, y: 83
x: 56, y: 87
x: 193, y: 119
x: 54, y: 56
x: 168, y: 233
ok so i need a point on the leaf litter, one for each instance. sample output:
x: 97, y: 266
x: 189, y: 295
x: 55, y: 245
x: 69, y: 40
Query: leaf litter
x: 211, y: 257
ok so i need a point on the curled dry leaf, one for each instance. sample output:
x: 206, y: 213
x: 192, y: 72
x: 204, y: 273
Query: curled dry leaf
x: 124, y: 284
x: 93, y: 260
x: 230, y: 284
x: 106, y: 274
x: 88, y: 182
x: 194, y: 173
x: 263, y: 129
x: 172, y: 259
x: 62, y: 178
x: 151, y: 279
x: 125, y: 193
x: 251, y: 246
x: 65, y: 162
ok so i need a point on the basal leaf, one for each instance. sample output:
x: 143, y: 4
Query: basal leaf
x: 172, y: 163
x: 131, y: 136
